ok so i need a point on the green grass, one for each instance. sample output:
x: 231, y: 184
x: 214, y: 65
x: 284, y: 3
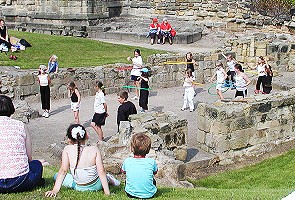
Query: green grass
x: 72, y: 51
x: 270, y: 179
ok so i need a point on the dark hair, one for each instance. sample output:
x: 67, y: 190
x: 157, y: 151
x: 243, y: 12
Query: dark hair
x: 137, y: 51
x: 101, y: 86
x: 268, y: 70
x: 123, y: 94
x: 2, y: 20
x: 141, y: 144
x: 78, y: 140
x: 239, y: 67
x: 189, y: 72
x: 188, y: 53
x: 72, y: 86
x: 6, y: 106
x: 145, y: 74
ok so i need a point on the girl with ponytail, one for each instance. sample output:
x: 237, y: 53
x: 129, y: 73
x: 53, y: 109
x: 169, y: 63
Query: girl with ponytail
x: 87, y: 172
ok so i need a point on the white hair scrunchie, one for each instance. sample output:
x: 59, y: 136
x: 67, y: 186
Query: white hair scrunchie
x: 77, y: 130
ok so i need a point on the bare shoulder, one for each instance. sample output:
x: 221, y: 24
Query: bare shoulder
x: 92, y: 149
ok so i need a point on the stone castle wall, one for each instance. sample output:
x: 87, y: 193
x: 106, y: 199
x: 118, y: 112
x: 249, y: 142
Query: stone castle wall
x: 237, y: 129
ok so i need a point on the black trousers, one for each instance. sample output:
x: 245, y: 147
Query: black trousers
x: 45, y: 97
x: 259, y: 82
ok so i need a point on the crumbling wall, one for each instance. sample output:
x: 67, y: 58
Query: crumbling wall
x: 237, y: 129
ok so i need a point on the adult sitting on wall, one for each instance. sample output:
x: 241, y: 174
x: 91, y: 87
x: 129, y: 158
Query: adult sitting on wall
x: 4, y: 36
x: 155, y: 31
x: 166, y: 31
x: 18, y: 172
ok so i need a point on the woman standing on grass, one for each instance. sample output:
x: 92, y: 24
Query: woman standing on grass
x: 87, y: 172
x: 75, y: 96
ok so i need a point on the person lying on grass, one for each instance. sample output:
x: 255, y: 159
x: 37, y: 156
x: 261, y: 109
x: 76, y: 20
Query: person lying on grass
x: 85, y: 164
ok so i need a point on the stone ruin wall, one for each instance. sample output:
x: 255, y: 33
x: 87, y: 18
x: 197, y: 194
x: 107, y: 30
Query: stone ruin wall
x: 234, y: 130
x: 79, y: 18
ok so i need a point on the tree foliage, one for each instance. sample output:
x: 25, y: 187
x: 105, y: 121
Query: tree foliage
x: 278, y: 10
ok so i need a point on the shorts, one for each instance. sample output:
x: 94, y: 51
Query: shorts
x: 134, y: 78
x: 99, y: 118
x: 75, y: 106
x: 220, y: 86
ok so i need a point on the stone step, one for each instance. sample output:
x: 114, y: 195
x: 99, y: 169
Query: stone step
x: 198, y: 159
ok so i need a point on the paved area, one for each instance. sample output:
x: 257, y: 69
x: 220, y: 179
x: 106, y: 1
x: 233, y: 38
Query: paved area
x: 46, y: 131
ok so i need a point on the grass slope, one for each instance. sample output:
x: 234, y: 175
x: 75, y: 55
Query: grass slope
x: 72, y: 51
x: 270, y: 179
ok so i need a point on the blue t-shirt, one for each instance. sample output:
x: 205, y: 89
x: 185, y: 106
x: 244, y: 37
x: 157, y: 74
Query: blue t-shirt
x: 52, y: 66
x: 140, y: 176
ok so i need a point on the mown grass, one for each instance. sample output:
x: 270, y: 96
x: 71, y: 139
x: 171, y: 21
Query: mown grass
x: 72, y: 51
x: 271, y: 179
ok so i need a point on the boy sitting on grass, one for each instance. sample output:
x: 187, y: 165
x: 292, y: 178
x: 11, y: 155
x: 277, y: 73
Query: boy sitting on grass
x: 139, y: 170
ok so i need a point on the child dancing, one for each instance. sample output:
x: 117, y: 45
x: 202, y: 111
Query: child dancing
x: 189, y: 91
x: 221, y: 77
x: 100, y: 110
x: 44, y: 81
x: 144, y: 86
x: 85, y: 163
x: 139, y: 170
x: 75, y: 97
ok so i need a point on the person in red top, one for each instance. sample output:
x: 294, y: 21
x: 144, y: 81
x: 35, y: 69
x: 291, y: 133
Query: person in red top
x: 165, y: 31
x: 155, y: 31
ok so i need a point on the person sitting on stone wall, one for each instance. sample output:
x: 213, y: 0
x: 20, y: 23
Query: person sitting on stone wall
x: 166, y: 31
x: 155, y: 31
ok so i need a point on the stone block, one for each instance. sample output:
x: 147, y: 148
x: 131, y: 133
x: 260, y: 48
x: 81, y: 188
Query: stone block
x: 203, y: 123
x: 260, y: 52
x: 180, y: 153
x: 240, y: 138
x: 124, y: 132
x: 201, y: 135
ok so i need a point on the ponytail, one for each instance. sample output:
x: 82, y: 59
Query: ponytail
x: 78, y: 151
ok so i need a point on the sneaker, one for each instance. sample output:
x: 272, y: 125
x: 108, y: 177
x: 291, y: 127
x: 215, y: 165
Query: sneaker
x: 112, y: 180
x: 191, y: 110
x: 182, y: 109
x: 46, y: 115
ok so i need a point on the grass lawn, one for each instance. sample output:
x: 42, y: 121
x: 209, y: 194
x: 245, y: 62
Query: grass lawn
x: 270, y: 179
x: 72, y: 51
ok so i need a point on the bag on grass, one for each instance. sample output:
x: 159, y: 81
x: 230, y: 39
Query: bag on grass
x: 25, y: 43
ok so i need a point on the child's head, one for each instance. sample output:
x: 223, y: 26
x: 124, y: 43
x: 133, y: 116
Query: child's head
x: 189, y: 55
x: 144, y: 72
x: 76, y: 133
x: 218, y: 64
x: 261, y: 60
x: 136, y: 52
x: 53, y: 58
x: 42, y: 69
x: 189, y: 73
x: 122, y: 96
x: 99, y: 86
x: 238, y: 67
x: 72, y: 85
x: 140, y: 144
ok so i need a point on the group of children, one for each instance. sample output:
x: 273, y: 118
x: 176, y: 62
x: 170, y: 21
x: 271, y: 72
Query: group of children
x: 239, y: 80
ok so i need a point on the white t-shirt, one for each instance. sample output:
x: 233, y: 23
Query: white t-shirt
x: 43, y: 79
x: 220, y: 75
x: 260, y: 70
x: 98, y: 102
x: 231, y: 65
x: 136, y: 69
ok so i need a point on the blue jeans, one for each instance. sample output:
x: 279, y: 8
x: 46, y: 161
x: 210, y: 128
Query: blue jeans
x: 25, y: 182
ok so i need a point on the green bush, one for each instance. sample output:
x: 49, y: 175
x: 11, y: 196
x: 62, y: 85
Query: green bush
x: 278, y: 10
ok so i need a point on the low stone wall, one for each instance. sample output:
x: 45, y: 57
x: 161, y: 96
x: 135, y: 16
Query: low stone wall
x: 235, y: 129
